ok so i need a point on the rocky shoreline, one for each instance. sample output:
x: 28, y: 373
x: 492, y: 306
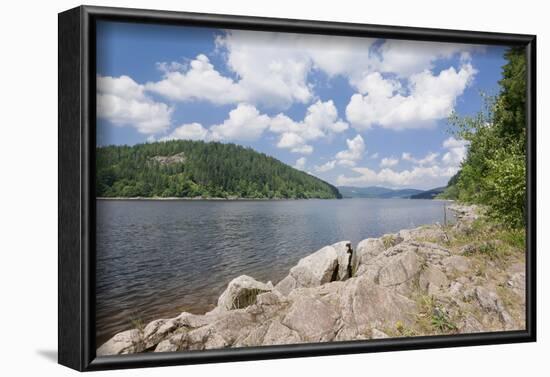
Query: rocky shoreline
x: 429, y: 280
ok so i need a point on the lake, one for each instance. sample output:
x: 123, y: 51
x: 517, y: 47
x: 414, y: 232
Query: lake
x: 158, y: 258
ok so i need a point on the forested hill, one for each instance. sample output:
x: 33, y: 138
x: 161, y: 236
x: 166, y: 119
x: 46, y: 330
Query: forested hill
x: 197, y: 169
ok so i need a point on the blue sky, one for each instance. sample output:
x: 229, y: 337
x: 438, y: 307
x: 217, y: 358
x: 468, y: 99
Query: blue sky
x: 352, y: 111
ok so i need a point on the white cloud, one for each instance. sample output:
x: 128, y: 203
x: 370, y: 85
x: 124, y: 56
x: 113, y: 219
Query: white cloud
x: 427, y: 172
x: 191, y: 131
x: 348, y: 163
x: 375, y: 84
x: 431, y: 97
x: 324, y: 116
x: 374, y: 156
x: 456, y: 151
x: 405, y: 58
x: 282, y: 61
x: 290, y: 140
x: 295, y: 143
x: 429, y: 159
x: 325, y: 167
x: 349, y: 57
x: 302, y: 149
x: 123, y: 86
x: 271, y: 67
x: 123, y: 102
x: 347, y: 157
x: 354, y: 153
x: 300, y: 163
x: 321, y: 120
x: 198, y: 81
x: 244, y: 123
x: 418, y: 177
x: 282, y: 124
x: 451, y: 142
x: 274, y: 67
x: 388, y: 162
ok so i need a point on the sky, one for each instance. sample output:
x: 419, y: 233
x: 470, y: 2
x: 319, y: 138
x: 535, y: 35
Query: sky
x: 351, y: 111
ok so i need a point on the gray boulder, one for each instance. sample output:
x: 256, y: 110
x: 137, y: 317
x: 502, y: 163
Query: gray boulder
x: 277, y: 333
x: 432, y: 279
x: 432, y: 233
x: 157, y: 330
x: 367, y: 250
x: 286, y: 285
x: 377, y: 334
x: 312, y: 319
x: 241, y: 292
x: 457, y: 263
x: 488, y: 300
x: 399, y: 269
x: 343, y: 259
x: 175, y: 342
x: 125, y: 342
x: 198, y: 320
x: 367, y: 306
x: 325, y: 265
x: 470, y: 325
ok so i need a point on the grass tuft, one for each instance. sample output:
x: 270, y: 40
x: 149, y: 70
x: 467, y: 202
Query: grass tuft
x: 433, y: 318
x: 245, y: 299
x: 388, y: 240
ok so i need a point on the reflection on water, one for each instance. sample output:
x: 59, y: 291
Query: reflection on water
x: 158, y: 258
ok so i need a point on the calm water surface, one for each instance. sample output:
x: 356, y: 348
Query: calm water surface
x: 158, y: 258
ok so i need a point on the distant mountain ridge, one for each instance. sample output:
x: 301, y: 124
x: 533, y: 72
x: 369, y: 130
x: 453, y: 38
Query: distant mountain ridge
x: 377, y: 192
x: 388, y: 193
x: 429, y: 194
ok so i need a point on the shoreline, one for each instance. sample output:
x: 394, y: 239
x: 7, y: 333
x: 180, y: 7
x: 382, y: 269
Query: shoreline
x: 164, y: 308
x: 391, y: 286
x: 118, y: 198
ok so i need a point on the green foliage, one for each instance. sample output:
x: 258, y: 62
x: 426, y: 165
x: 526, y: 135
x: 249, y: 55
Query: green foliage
x: 441, y: 321
x: 451, y: 191
x: 505, y: 185
x: 197, y: 169
x: 403, y: 331
x: 494, y: 171
x: 388, y: 240
x: 510, y: 107
x: 433, y: 318
x: 514, y: 238
x: 489, y: 240
x: 136, y: 322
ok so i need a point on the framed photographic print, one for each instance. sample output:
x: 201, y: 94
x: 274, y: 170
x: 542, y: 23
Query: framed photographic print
x: 239, y: 188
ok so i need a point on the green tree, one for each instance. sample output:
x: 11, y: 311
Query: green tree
x: 494, y: 171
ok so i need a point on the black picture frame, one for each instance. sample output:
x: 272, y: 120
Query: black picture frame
x: 76, y: 187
